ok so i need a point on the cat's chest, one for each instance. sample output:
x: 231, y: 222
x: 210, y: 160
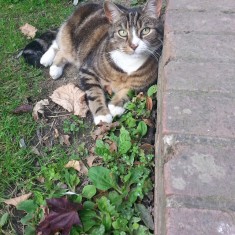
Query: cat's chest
x: 128, y: 63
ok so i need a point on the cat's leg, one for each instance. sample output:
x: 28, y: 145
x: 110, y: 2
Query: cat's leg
x: 49, y: 55
x: 57, y: 67
x: 117, y: 102
x: 90, y: 84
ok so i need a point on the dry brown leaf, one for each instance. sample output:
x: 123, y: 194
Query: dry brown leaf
x: 71, y: 98
x: 149, y: 103
x: 15, y: 201
x: 56, y: 134
x: 104, y: 128
x: 148, y: 148
x: 84, y: 169
x: 149, y: 122
x: 74, y: 164
x: 140, y: 96
x: 28, y: 30
x: 90, y: 160
x: 64, y: 139
x: 41, y: 179
x: 113, y: 147
x: 39, y: 108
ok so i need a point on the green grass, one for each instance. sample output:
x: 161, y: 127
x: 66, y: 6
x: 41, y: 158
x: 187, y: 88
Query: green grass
x: 20, y: 82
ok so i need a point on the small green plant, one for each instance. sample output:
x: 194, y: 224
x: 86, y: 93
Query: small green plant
x: 73, y: 125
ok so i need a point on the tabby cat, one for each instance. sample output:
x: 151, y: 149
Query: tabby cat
x: 111, y: 46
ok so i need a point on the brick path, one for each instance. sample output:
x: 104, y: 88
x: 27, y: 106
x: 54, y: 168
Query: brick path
x: 195, y: 155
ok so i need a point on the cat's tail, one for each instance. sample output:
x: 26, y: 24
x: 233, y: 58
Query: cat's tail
x: 33, y: 52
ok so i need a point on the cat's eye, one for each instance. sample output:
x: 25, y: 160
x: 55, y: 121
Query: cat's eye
x: 122, y: 33
x: 145, y: 31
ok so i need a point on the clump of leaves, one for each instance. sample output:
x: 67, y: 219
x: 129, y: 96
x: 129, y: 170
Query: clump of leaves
x: 109, y: 200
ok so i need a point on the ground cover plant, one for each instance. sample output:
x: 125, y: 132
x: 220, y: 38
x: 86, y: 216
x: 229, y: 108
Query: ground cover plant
x: 62, y: 171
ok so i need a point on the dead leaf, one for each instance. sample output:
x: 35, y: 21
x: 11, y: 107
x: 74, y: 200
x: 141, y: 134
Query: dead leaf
x: 84, y: 169
x: 148, y: 148
x: 104, y: 128
x: 90, y: 160
x: 140, y: 96
x: 28, y: 30
x: 41, y: 179
x: 35, y: 151
x: 25, y: 108
x: 74, y: 164
x: 56, y: 135
x: 113, y: 147
x: 149, y: 103
x: 15, y: 201
x: 64, y: 139
x: 61, y: 217
x: 39, y: 108
x: 149, y: 122
x: 71, y: 98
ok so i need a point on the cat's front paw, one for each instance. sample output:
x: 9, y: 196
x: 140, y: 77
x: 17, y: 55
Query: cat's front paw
x: 47, y: 58
x: 55, y: 71
x: 103, y: 118
x: 116, y: 110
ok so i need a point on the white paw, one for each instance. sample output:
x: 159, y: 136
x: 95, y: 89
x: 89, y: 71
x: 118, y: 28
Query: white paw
x: 103, y: 118
x: 55, y: 71
x: 116, y: 110
x: 49, y: 55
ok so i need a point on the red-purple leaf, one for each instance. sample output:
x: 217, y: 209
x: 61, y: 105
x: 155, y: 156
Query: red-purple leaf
x: 62, y: 216
x: 25, y: 108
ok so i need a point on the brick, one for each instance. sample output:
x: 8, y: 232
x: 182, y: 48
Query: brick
x: 200, y: 22
x: 185, y: 221
x: 199, y: 48
x: 202, y: 5
x: 198, y: 113
x: 208, y: 77
x: 201, y: 171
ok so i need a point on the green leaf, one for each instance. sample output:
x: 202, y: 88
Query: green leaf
x: 124, y: 141
x: 4, y: 219
x: 142, y: 128
x: 120, y: 223
x: 115, y: 198
x: 88, y: 218
x: 105, y: 206
x: 102, y: 178
x: 145, y: 216
x: 88, y: 205
x: 29, y: 230
x: 89, y: 191
x: 152, y: 90
x: 25, y: 220
x: 107, y: 221
x: 99, y: 230
x: 29, y: 206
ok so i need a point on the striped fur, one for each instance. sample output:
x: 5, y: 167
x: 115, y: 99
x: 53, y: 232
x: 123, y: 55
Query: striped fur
x: 92, y: 39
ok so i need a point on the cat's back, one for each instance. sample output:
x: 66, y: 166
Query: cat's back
x: 84, y: 30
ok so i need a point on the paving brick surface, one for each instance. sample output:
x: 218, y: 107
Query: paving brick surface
x: 201, y: 171
x: 200, y: 113
x: 195, y: 150
x: 199, y: 222
x: 192, y: 76
x: 198, y: 22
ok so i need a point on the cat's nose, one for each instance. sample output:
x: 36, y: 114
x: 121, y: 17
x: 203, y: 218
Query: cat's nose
x: 134, y: 46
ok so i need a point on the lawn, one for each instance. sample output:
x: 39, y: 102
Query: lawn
x: 122, y: 153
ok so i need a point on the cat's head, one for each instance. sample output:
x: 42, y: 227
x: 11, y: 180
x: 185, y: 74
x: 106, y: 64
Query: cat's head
x: 135, y: 31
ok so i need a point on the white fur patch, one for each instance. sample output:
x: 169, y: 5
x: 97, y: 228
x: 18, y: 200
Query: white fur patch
x: 55, y: 71
x: 103, y: 118
x: 135, y: 40
x: 49, y: 55
x: 116, y: 110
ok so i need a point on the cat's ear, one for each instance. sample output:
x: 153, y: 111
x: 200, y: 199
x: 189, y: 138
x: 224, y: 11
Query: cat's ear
x: 153, y: 8
x: 112, y: 12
